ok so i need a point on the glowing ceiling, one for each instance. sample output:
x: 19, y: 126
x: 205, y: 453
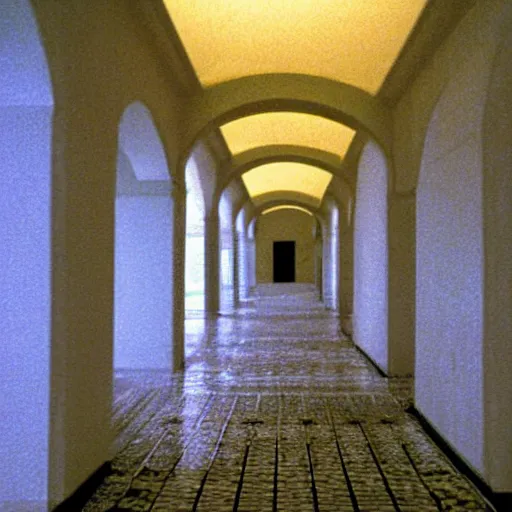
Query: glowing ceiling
x: 287, y: 177
x: 287, y: 128
x: 352, y: 41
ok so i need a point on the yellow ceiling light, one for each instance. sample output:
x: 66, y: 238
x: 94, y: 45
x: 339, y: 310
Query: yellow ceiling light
x: 287, y: 177
x: 287, y: 128
x: 286, y: 207
x: 352, y: 41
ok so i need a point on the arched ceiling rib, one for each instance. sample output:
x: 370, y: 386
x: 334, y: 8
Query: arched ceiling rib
x: 272, y: 201
x: 342, y: 103
x: 355, y: 42
x: 252, y: 158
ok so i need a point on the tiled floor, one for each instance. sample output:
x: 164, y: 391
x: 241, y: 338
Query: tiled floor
x: 276, y: 412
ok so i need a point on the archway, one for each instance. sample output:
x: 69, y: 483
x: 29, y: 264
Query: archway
x: 195, y: 248
x: 241, y: 97
x: 371, y: 255
x: 26, y: 111
x: 143, y: 246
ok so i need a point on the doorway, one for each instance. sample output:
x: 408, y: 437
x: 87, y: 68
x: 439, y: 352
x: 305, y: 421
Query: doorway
x: 284, y: 262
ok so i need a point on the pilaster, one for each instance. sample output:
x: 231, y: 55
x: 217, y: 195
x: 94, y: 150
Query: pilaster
x: 179, y: 196
x: 211, y: 262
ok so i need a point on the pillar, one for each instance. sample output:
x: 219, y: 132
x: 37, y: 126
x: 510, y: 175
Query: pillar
x: 211, y: 262
x: 401, y: 282
x: 179, y: 201
x: 251, y: 264
x: 346, y: 274
x: 84, y: 174
x: 236, y: 266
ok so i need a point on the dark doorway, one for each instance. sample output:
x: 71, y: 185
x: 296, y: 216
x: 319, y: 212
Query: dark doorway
x: 284, y: 262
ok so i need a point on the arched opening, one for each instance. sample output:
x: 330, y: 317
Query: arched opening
x: 226, y: 251
x: 143, y: 247
x: 371, y: 256
x: 26, y: 111
x: 194, y: 248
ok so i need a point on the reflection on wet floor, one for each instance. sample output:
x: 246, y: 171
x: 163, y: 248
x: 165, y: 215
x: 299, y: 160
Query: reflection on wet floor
x: 277, y: 411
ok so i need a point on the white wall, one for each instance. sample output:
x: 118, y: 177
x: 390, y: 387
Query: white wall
x: 371, y: 256
x: 437, y: 125
x: 143, y: 277
x: 26, y: 106
x: 449, y: 258
x: 25, y: 219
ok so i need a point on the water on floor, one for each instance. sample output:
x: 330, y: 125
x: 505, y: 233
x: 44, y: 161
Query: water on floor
x: 277, y: 411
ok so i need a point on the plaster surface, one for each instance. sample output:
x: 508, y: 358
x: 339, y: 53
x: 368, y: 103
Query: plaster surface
x: 371, y: 256
x: 449, y: 297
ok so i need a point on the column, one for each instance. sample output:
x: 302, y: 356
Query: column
x: 401, y: 283
x: 346, y: 275
x: 236, y: 266
x: 179, y: 202
x: 211, y: 262
x: 82, y: 295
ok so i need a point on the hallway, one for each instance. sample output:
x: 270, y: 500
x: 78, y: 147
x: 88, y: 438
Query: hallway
x: 276, y: 411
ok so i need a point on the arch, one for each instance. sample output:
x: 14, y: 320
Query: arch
x: 251, y: 223
x: 140, y: 141
x: 253, y: 158
x: 143, y: 246
x: 28, y: 426
x: 195, y: 233
x: 288, y: 196
x: 241, y: 97
x: 286, y: 207
x: 248, y: 160
x: 276, y: 200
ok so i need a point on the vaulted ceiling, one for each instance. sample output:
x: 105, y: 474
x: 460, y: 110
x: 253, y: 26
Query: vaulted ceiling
x: 354, y: 42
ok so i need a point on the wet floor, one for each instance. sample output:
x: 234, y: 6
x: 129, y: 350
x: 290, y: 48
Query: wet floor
x: 277, y: 411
